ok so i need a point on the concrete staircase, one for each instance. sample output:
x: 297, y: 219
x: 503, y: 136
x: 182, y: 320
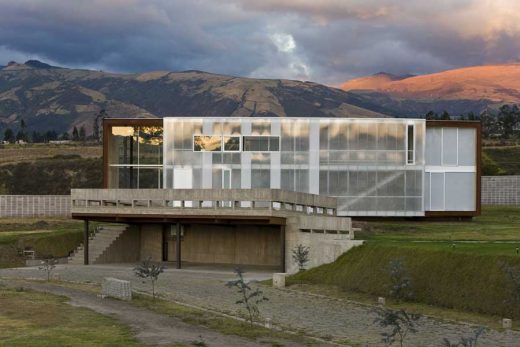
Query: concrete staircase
x: 100, y: 241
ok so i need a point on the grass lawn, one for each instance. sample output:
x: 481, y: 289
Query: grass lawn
x: 52, y: 237
x: 497, y: 223
x: 30, y: 318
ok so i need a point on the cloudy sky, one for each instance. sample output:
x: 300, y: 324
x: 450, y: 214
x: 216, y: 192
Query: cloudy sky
x: 327, y: 41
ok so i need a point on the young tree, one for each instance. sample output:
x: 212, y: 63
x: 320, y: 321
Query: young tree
x: 65, y: 136
x: 400, y: 282
x: 300, y: 255
x: 445, y: 116
x: 36, y: 137
x: 400, y: 322
x: 82, y: 133
x: 149, y: 271
x: 95, y: 129
x: 9, y: 135
x: 466, y: 341
x: 75, y: 134
x: 48, y: 266
x: 248, y: 297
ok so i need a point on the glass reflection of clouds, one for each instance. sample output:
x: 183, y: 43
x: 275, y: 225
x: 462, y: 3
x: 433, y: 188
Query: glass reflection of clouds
x: 207, y: 143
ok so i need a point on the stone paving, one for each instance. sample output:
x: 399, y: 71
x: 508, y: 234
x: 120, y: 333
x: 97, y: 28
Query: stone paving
x: 323, y: 317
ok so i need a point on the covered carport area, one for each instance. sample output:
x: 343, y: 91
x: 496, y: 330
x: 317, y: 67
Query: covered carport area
x: 201, y: 240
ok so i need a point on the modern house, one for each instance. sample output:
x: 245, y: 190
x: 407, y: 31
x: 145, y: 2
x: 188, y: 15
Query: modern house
x: 247, y: 190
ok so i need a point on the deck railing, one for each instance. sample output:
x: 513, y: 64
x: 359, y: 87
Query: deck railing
x: 203, y: 199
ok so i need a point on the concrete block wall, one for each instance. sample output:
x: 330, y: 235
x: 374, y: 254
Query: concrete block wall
x: 17, y: 206
x: 151, y: 242
x: 500, y: 190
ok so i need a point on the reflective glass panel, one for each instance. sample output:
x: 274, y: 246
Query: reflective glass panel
x: 231, y: 143
x: 203, y: 143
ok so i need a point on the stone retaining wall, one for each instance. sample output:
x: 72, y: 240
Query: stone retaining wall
x: 34, y: 206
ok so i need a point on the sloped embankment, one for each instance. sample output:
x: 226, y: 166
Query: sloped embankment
x: 465, y: 281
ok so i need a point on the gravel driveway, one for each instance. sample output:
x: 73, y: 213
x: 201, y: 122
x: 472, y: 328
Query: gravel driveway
x: 323, y: 317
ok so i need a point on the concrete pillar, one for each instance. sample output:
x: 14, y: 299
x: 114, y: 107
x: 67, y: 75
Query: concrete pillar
x: 282, y: 247
x: 178, y: 245
x: 85, y: 242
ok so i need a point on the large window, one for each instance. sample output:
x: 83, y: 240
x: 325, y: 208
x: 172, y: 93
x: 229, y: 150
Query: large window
x: 261, y: 143
x: 135, y: 157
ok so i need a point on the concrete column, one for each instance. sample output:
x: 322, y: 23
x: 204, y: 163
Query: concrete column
x: 282, y: 248
x: 178, y: 246
x: 85, y: 242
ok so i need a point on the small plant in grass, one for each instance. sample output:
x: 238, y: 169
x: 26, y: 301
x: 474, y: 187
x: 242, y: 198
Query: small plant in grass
x: 149, y: 270
x: 300, y: 255
x: 513, y: 277
x: 200, y: 342
x: 465, y: 341
x: 249, y: 298
x: 47, y: 266
x: 400, y: 322
x: 400, y: 282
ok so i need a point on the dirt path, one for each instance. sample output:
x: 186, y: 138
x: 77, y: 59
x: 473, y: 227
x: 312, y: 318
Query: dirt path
x: 150, y: 328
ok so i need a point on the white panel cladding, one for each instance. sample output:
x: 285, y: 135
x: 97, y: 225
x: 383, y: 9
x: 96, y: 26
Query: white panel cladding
x: 245, y: 170
x: 275, y: 157
x: 314, y: 156
x: 450, y: 169
x: 467, y: 146
x: 460, y: 191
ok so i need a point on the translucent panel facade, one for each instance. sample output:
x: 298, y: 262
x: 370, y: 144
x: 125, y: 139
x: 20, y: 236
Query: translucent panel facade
x: 375, y: 167
x: 451, y: 171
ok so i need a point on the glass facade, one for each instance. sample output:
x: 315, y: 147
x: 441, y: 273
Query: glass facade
x: 375, y: 167
x: 135, y: 157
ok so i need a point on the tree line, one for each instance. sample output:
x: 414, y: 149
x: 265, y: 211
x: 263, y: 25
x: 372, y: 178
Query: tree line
x: 51, y: 135
x: 503, y: 123
x: 42, y: 137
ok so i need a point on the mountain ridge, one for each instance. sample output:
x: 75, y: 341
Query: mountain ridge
x: 49, y: 97
x: 472, y: 88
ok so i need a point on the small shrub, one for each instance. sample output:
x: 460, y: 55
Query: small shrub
x: 47, y: 266
x: 149, y: 270
x: 400, y: 322
x: 300, y: 255
x: 513, y: 278
x: 466, y: 341
x: 249, y: 298
x: 400, y: 283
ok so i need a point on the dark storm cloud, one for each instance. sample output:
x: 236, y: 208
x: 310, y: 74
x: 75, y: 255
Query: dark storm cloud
x: 326, y: 41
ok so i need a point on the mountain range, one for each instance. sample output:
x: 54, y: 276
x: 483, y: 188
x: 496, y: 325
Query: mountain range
x: 458, y: 91
x: 53, y: 98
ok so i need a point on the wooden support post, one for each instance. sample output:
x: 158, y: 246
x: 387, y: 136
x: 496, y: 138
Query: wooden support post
x: 178, y: 246
x: 86, y: 237
x: 282, y: 247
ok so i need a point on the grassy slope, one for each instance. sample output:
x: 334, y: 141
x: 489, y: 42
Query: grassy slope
x: 14, y: 154
x: 503, y: 160
x: 56, y: 323
x: 444, y: 272
x: 49, y: 238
